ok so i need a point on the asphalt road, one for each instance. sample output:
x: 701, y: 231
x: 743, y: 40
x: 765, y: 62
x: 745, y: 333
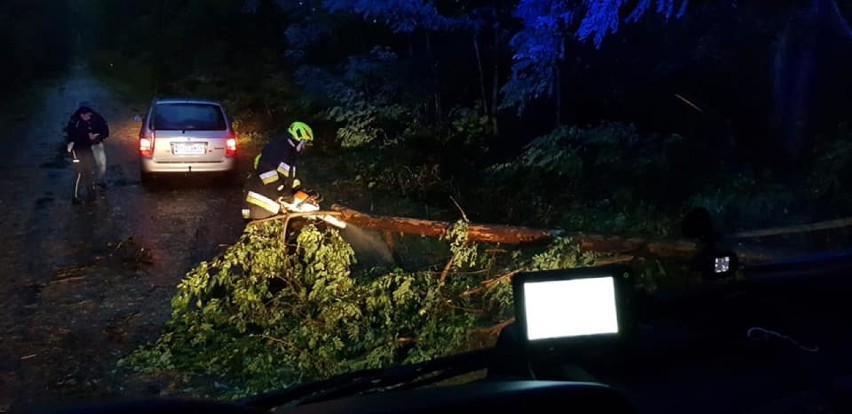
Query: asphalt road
x: 82, y: 285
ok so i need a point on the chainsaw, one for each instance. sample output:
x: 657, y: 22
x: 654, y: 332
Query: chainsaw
x: 302, y: 202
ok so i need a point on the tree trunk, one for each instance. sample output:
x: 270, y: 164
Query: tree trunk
x: 517, y: 235
x: 495, y: 86
x: 433, y: 66
x: 429, y: 228
x: 558, y: 94
x: 481, y: 74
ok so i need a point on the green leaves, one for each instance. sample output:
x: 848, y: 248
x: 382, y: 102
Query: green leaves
x: 563, y: 253
x: 465, y: 255
x: 266, y: 313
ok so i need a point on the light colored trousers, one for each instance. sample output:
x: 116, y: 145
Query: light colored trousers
x: 100, y: 161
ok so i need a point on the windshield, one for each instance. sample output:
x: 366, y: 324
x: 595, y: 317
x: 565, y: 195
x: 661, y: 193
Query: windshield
x: 393, y: 166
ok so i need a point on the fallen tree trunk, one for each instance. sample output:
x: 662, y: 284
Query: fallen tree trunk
x: 516, y: 235
x: 482, y: 233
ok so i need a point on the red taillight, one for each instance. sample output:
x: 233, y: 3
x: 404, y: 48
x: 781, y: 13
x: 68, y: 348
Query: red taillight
x: 146, y: 147
x: 231, y: 146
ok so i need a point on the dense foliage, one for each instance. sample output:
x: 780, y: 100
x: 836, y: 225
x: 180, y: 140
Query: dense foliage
x: 266, y: 313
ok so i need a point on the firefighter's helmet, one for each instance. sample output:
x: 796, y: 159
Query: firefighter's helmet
x: 300, y: 131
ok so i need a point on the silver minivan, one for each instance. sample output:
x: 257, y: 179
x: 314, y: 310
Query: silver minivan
x: 186, y: 136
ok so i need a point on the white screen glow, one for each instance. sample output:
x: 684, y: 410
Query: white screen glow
x: 565, y: 308
x: 722, y: 264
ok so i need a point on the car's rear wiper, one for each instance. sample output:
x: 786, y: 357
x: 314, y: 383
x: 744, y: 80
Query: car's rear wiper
x: 404, y: 376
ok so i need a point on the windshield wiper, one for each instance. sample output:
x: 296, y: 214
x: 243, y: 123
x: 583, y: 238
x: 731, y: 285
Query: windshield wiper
x: 399, y: 377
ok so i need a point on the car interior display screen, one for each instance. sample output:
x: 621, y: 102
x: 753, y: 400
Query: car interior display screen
x: 569, y: 308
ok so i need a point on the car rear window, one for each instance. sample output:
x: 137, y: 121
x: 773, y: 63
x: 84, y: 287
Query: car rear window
x: 188, y: 116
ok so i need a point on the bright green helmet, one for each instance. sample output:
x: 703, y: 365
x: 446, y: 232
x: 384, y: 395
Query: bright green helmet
x: 301, y: 131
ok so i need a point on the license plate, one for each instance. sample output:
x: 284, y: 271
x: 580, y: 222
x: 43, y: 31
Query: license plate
x: 189, y: 148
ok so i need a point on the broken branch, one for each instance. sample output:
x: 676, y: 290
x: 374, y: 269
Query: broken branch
x: 446, y: 270
x: 464, y: 216
x: 495, y: 330
x: 488, y: 284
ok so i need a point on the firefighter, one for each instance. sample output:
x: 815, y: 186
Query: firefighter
x: 274, y: 175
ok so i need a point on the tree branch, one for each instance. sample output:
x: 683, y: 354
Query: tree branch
x: 488, y: 284
x: 464, y: 216
x: 495, y: 329
x: 446, y: 270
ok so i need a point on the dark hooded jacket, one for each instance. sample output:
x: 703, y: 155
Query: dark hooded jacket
x: 78, y: 130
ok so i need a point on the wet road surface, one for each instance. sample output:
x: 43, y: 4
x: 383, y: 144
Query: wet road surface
x: 82, y: 285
